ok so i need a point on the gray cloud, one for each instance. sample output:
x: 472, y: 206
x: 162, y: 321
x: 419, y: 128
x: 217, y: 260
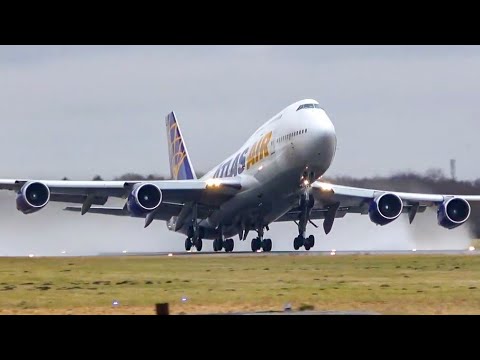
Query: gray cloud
x: 78, y: 111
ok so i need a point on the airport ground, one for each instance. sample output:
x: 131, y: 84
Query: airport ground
x: 228, y: 283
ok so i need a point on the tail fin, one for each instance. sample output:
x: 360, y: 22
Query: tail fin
x: 180, y: 165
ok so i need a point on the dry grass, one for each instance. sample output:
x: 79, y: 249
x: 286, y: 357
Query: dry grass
x: 391, y: 284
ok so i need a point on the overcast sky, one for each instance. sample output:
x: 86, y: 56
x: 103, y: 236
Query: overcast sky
x: 78, y: 111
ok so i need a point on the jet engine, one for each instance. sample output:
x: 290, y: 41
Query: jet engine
x: 453, y: 213
x: 385, y: 208
x: 32, y: 197
x: 143, y: 199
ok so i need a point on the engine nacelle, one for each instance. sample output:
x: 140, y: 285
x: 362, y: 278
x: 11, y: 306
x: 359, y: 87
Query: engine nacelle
x: 453, y: 213
x: 385, y: 209
x: 32, y: 197
x: 143, y: 199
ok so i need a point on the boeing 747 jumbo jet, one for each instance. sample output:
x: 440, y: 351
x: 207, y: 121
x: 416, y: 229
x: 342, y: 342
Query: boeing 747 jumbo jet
x: 274, y: 177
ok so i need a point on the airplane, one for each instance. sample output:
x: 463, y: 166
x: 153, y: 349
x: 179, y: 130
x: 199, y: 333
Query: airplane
x: 275, y: 176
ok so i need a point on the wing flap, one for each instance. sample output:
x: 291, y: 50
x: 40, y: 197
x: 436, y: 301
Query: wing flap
x: 164, y: 212
x: 100, y: 210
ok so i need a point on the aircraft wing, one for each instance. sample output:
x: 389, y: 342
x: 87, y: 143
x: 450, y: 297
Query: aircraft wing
x: 328, y: 194
x: 335, y: 201
x: 201, y: 192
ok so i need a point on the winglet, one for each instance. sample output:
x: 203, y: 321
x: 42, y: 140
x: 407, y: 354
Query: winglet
x: 180, y: 165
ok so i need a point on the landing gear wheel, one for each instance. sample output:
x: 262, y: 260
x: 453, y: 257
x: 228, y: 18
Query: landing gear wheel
x: 217, y: 245
x: 298, y: 242
x: 229, y: 244
x: 311, y: 241
x: 256, y: 244
x: 199, y: 244
x: 267, y: 245
x: 188, y: 244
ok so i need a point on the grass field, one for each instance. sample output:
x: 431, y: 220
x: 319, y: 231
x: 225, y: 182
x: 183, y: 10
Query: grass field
x: 388, y: 284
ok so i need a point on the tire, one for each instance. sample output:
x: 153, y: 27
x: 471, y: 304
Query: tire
x: 296, y: 245
x: 267, y: 245
x: 255, y: 244
x: 298, y: 242
x: 229, y: 245
x: 188, y: 244
x: 199, y: 244
x: 311, y: 241
x: 217, y: 245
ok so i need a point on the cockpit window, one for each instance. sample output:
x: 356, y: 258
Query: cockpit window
x: 309, y: 106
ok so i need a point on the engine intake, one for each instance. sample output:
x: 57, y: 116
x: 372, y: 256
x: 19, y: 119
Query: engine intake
x: 453, y: 213
x: 144, y: 199
x: 385, y: 209
x: 32, y: 197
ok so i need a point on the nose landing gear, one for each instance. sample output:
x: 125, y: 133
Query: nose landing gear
x: 306, y: 204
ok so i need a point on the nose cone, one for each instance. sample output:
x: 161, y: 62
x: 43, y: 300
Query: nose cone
x: 330, y: 136
x: 325, y: 137
x: 328, y: 139
x: 327, y: 130
x: 321, y: 139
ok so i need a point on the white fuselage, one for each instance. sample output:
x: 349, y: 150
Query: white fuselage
x: 294, y: 146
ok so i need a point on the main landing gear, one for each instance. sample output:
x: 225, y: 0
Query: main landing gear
x: 219, y: 244
x: 301, y: 241
x: 189, y: 243
x: 258, y: 243
x: 195, y: 233
x: 261, y: 243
